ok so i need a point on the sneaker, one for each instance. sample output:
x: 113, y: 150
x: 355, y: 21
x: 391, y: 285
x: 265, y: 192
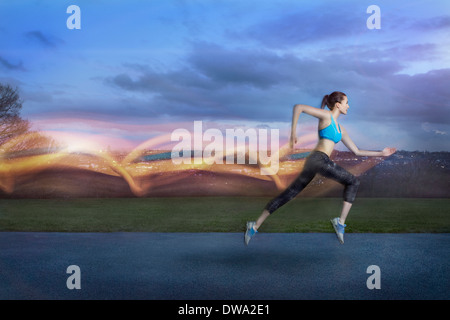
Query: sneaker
x: 250, y: 232
x: 339, y: 228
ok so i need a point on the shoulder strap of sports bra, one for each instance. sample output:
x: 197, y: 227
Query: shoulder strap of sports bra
x: 336, y: 126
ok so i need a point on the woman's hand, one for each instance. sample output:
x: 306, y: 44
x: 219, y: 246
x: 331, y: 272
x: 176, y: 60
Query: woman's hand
x: 292, y: 142
x: 388, y: 151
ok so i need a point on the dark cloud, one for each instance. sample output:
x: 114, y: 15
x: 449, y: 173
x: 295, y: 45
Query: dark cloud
x: 218, y: 82
x: 229, y: 67
x: 261, y: 85
x: 422, y: 97
x: 5, y: 64
x: 46, y: 41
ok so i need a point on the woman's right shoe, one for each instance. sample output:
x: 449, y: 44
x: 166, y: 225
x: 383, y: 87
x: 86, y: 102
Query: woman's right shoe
x: 339, y: 229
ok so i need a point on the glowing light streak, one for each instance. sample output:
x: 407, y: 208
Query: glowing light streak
x: 141, y: 176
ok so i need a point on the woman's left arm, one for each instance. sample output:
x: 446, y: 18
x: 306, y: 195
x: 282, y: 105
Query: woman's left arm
x: 358, y: 152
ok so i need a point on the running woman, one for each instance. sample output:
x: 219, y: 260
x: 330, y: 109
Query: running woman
x: 318, y: 162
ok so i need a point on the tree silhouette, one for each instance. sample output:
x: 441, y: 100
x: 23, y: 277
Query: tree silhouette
x: 11, y: 124
x: 15, y: 134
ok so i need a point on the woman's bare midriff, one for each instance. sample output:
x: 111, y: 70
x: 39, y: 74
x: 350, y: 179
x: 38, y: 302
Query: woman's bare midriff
x: 325, y: 146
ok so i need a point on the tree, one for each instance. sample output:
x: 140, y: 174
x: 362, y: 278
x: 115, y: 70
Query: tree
x: 15, y: 134
x: 11, y: 124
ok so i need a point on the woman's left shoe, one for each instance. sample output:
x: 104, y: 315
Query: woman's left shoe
x: 250, y: 232
x: 339, y: 228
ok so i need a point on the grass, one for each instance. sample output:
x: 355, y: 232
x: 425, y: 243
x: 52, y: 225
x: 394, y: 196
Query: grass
x: 220, y: 214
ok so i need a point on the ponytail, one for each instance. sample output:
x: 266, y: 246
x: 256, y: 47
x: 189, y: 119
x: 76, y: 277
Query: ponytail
x: 324, y: 101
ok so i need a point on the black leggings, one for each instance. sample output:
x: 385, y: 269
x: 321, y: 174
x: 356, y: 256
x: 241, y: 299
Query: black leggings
x: 317, y: 162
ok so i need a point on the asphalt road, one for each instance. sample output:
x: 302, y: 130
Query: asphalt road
x: 218, y: 266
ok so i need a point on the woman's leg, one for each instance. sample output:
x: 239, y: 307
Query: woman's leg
x: 304, y: 178
x: 346, y: 206
x: 351, y: 183
x: 317, y: 163
x: 325, y: 167
x: 264, y: 215
x: 295, y: 188
x: 287, y: 195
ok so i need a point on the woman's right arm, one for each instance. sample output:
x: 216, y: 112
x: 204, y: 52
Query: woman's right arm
x: 300, y: 108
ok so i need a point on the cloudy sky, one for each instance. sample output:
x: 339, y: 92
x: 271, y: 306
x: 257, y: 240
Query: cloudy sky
x: 140, y: 69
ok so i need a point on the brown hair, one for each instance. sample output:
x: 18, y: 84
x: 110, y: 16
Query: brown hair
x: 330, y: 100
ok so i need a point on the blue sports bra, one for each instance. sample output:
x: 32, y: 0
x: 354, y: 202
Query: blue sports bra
x: 331, y: 132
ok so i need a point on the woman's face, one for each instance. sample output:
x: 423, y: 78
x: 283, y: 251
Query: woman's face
x: 343, y: 105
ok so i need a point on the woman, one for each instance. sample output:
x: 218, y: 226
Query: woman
x: 330, y: 133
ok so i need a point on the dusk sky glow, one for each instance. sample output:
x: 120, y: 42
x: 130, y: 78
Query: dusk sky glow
x: 141, y: 69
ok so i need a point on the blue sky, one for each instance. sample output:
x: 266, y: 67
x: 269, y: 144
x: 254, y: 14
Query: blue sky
x: 139, y: 69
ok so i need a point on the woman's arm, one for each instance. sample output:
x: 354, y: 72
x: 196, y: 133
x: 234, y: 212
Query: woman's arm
x: 302, y: 108
x: 353, y: 148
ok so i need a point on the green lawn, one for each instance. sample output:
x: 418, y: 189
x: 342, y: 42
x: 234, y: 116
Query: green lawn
x: 220, y: 214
